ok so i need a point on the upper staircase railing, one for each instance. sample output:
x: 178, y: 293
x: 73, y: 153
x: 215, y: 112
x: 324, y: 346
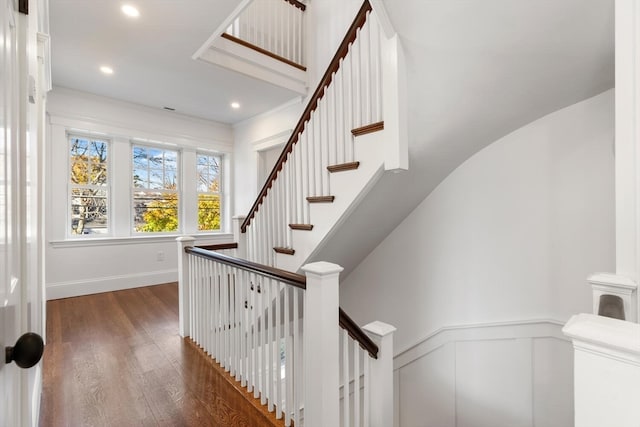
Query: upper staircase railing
x: 283, y: 336
x: 347, y: 103
x: 272, y: 27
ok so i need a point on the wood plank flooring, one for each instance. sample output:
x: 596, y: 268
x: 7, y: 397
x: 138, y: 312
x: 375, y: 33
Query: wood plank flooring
x: 116, y: 359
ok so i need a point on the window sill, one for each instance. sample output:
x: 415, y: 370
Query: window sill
x: 201, y: 238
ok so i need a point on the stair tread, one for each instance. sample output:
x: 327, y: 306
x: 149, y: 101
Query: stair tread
x: 341, y: 167
x: 307, y: 227
x: 320, y: 199
x: 373, y: 127
x: 286, y: 251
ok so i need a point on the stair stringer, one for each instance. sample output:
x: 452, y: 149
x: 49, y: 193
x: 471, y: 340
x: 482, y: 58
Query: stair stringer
x: 349, y: 188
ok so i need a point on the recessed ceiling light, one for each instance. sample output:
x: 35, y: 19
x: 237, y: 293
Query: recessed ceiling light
x: 235, y: 105
x: 106, y: 70
x: 130, y: 11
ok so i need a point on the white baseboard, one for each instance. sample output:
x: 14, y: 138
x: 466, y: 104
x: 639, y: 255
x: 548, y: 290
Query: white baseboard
x: 528, y: 328
x: 110, y: 283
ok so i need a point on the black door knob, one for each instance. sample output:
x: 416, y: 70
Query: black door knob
x: 27, y: 351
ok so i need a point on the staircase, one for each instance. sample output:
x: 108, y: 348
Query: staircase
x: 345, y: 139
x: 281, y: 334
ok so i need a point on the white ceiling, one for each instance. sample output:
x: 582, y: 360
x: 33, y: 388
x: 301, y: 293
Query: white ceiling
x: 151, y: 57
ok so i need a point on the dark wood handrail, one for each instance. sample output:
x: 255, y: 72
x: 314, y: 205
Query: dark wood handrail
x: 219, y: 246
x: 325, y: 81
x: 262, y: 51
x: 358, y: 334
x: 294, y: 279
x: 297, y: 4
x: 297, y: 280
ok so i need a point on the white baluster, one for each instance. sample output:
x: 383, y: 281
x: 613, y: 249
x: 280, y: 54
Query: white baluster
x: 306, y: 175
x: 273, y: 202
x: 288, y: 354
x: 214, y: 311
x: 376, y: 89
x: 277, y: 381
x: 365, y: 59
x: 286, y: 206
x: 299, y: 179
x: 298, y: 37
x: 311, y: 155
x: 270, y: 348
x: 198, y: 329
x: 280, y: 25
x: 225, y: 325
x: 232, y: 322
x: 263, y: 344
x: 339, y: 115
x: 280, y: 212
x: 356, y: 384
x: 255, y: 338
x: 262, y: 231
x: 238, y: 323
x: 345, y: 379
x: 329, y: 129
x: 207, y: 302
x: 324, y: 140
x: 297, y: 354
x: 289, y: 23
x: 242, y: 336
x: 348, y: 108
x: 367, y: 389
x: 286, y: 201
x: 357, y: 88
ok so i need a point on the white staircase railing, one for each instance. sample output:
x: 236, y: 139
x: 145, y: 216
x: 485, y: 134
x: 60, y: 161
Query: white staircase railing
x: 279, y: 334
x: 347, y: 103
x: 274, y: 26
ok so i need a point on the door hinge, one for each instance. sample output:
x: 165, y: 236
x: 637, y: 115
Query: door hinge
x: 23, y: 6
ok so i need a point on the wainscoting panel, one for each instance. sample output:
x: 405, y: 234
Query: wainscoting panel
x: 427, y: 385
x: 512, y: 374
x: 553, y: 383
x: 493, y: 383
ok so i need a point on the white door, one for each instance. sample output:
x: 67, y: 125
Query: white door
x: 16, y: 388
x: 10, y: 303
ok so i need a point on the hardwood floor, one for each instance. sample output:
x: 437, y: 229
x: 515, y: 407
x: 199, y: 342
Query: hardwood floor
x: 116, y: 359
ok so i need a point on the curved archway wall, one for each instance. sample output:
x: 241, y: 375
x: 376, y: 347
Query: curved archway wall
x: 480, y: 277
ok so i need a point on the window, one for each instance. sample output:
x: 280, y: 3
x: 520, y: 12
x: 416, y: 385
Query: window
x: 89, y: 185
x: 208, y: 192
x: 155, y: 189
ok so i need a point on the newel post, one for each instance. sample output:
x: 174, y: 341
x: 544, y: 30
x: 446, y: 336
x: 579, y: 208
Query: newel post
x: 184, y: 282
x: 239, y: 237
x: 381, y: 390
x: 321, y: 345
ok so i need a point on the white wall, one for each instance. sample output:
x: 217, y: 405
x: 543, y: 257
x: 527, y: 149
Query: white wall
x: 507, y: 239
x: 258, y: 133
x: 76, y: 267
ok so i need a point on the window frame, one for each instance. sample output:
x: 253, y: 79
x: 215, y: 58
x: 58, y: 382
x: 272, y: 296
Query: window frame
x: 133, y: 143
x: 69, y: 135
x: 220, y: 193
